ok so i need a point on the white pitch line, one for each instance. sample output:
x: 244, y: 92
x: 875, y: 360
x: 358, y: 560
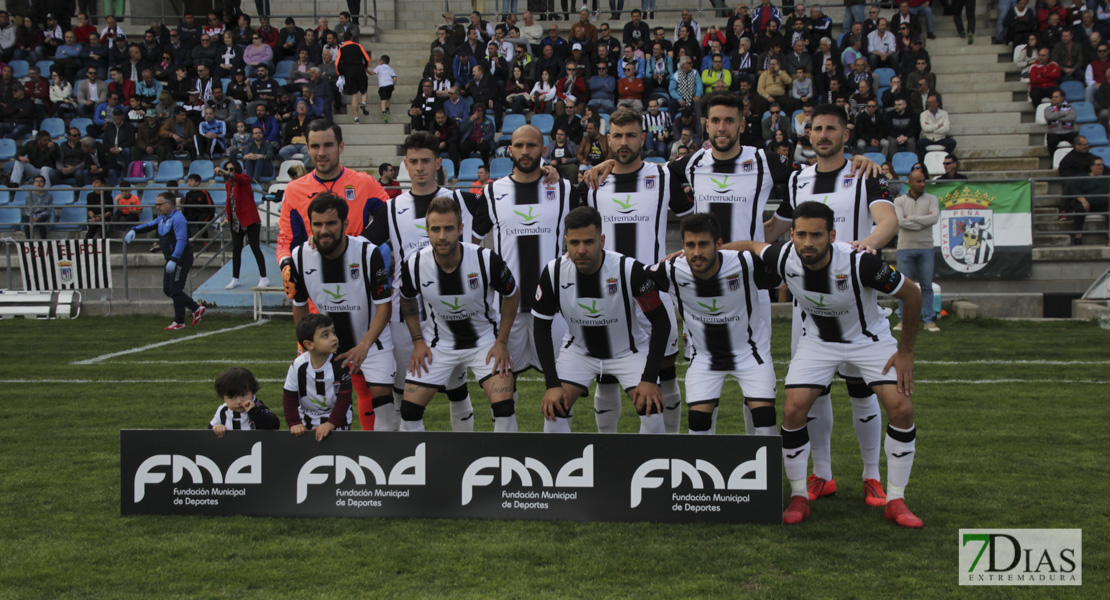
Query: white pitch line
x: 540, y: 379
x: 104, y: 357
x: 944, y: 363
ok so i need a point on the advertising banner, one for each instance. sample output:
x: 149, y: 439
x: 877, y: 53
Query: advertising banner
x: 50, y: 265
x: 985, y: 230
x: 568, y: 477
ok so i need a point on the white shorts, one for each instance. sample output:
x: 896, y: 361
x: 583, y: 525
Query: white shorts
x: 580, y: 370
x: 672, y: 340
x: 844, y: 369
x: 757, y: 381
x: 815, y: 362
x: 447, y: 364
x: 522, y: 342
x: 379, y: 368
x: 402, y: 353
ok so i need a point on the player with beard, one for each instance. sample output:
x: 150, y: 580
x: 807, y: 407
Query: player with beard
x: 858, y: 204
x: 838, y: 288
x: 527, y: 216
x: 633, y: 206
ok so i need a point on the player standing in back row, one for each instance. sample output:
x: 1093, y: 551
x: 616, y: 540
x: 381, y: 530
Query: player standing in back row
x: 837, y: 287
x: 865, y: 218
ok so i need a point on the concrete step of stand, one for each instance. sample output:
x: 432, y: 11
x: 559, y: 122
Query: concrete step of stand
x: 987, y: 164
x: 993, y: 141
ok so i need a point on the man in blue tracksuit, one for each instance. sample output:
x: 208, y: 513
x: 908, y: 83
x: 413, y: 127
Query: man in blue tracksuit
x: 173, y: 235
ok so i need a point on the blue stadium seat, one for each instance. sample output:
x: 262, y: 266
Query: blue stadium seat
x: 5, y: 197
x: 44, y: 66
x: 1102, y: 152
x: 224, y: 81
x: 9, y: 219
x: 655, y: 159
x: 203, y: 168
x: 283, y: 66
x: 19, y: 198
x: 1084, y: 112
x: 82, y: 124
x: 878, y: 157
x: 511, y: 124
x: 148, y: 173
x: 54, y: 126
x: 170, y: 170
x: 8, y: 149
x: 219, y: 199
x: 879, y: 95
x: 544, y: 122
x: 1095, y: 134
x: 250, y: 121
x: 903, y: 162
x: 72, y: 219
x: 500, y: 167
x: 1074, y: 91
x: 63, y: 198
x: 883, y: 75
x: 148, y: 197
x: 468, y: 170
x: 448, y: 169
x: 20, y: 68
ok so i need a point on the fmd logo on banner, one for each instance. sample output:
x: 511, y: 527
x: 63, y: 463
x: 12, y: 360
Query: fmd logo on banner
x: 1021, y: 557
x: 576, y: 477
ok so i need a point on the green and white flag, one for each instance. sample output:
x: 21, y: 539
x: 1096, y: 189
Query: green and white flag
x: 985, y: 230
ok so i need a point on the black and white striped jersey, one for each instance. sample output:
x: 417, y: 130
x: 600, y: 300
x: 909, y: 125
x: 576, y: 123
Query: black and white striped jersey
x: 658, y: 123
x: 721, y: 314
x: 317, y: 390
x: 633, y: 209
x: 527, y: 229
x: 241, y: 421
x: 462, y: 306
x: 400, y: 223
x: 735, y: 191
x: 850, y: 199
x: 840, y: 303
x: 600, y: 308
x: 349, y: 289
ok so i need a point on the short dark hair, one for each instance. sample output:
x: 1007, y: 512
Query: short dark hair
x: 583, y: 216
x: 236, y: 381
x: 421, y: 140
x: 700, y: 223
x: 310, y: 324
x: 382, y: 167
x: 318, y: 125
x: 322, y: 203
x: 724, y: 99
x: 234, y: 165
x: 831, y: 110
x: 443, y: 205
x: 815, y: 210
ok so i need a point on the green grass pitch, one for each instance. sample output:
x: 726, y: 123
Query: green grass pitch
x: 1012, y: 433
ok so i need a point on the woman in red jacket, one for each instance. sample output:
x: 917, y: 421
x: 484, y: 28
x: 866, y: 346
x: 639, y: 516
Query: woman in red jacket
x: 242, y: 215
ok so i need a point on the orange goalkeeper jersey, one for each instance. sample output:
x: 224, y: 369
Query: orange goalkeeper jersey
x: 362, y: 192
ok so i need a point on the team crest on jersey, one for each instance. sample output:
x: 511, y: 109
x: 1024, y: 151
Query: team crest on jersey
x: 649, y: 183
x: 748, y: 166
x: 354, y: 270
x: 349, y: 193
x: 733, y: 282
x: 472, y: 279
x: 842, y: 283
x: 846, y: 183
x: 549, y: 194
x: 611, y: 285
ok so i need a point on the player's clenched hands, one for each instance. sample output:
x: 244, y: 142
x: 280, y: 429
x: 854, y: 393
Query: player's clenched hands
x: 554, y: 404
x: 499, y: 353
x: 352, y: 359
x: 902, y: 361
x: 647, y: 394
x: 323, y: 430
x: 421, y: 357
x: 298, y: 429
x: 219, y: 430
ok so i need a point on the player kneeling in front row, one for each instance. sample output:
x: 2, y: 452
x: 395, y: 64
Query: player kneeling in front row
x: 597, y: 292
x: 241, y: 410
x: 465, y: 325
x: 716, y: 292
x: 837, y: 288
x: 317, y: 393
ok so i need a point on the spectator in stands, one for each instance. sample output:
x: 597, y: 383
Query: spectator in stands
x: 98, y: 209
x: 177, y: 134
x: 568, y: 119
x: 290, y: 38
x: 295, y: 135
x: 774, y: 85
x: 206, y: 53
x: 225, y: 108
x: 516, y: 91
x: 798, y: 58
x: 636, y: 32
x: 689, y: 45
x: 605, y: 38
x: 922, y: 7
x: 603, y: 89
x: 935, y: 126
x: 870, y: 129
x: 858, y: 101
x: 148, y: 138
x: 483, y: 180
x: 197, y: 206
x: 801, y: 88
x: 28, y: 41
x: 69, y: 56
x: 903, y: 126
x: 230, y: 56
x: 1076, y: 162
x: 422, y: 110
x: 1092, y: 195
x: 61, y: 97
x: 920, y: 97
x: 258, y: 157
x: 127, y: 207
x: 263, y: 89
x: 594, y: 148
x: 1071, y: 56
x: 38, y: 156
x: 124, y: 87
x: 456, y: 108
x: 952, y: 168
x: 543, y: 93
x: 894, y: 92
x: 630, y: 89
x: 805, y: 116
x: 72, y: 168
x: 148, y: 90
x: 39, y: 209
x: 482, y: 90
x: 1061, y: 121
x: 820, y: 26
x: 910, y: 54
x: 716, y: 72
x: 550, y: 62
x: 744, y: 63
x: 1053, y: 33
x: 387, y: 174
x: 658, y: 69
x: 685, y: 141
x: 521, y: 58
x: 563, y: 154
x: 904, y: 18
x: 1044, y: 77
x: 100, y: 162
x: 211, y: 135
x: 477, y: 133
x: 447, y: 132
x: 685, y: 87
x: 775, y: 122
x: 96, y: 55
x: 657, y: 129
x: 883, y: 47
x: 323, y: 89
